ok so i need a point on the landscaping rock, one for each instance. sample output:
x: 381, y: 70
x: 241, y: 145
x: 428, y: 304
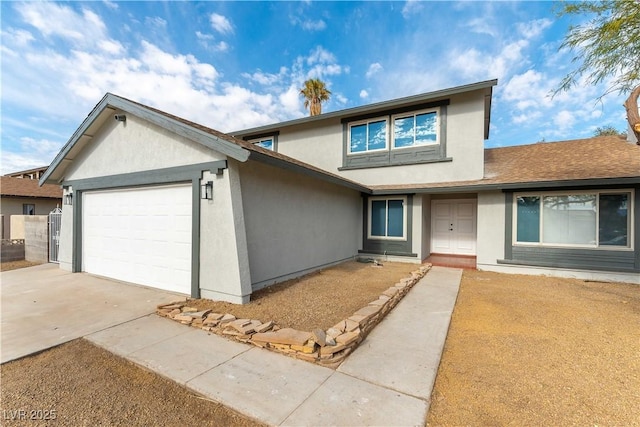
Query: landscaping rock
x: 320, y: 337
x: 287, y: 336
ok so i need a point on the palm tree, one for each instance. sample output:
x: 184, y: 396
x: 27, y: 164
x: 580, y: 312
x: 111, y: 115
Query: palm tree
x: 315, y: 92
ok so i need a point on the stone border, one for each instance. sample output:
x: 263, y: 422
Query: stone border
x: 328, y: 348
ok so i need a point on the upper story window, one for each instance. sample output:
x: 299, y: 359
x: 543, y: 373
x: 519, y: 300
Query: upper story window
x: 414, y: 129
x: 268, y: 142
x: 403, y: 136
x: 368, y: 135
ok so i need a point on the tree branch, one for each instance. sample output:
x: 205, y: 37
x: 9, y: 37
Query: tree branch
x: 633, y: 116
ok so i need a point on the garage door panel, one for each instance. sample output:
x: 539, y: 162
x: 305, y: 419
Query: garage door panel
x: 140, y: 235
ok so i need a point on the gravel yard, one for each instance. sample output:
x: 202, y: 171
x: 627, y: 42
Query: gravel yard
x: 531, y: 350
x: 317, y: 300
x: 14, y: 265
x: 79, y: 384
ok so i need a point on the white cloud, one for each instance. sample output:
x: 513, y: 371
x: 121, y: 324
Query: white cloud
x: 564, y: 119
x: 31, y: 154
x: 364, y: 94
x: 483, y: 25
x: 156, y: 22
x: 206, y: 41
x: 111, y: 47
x: 221, y: 24
x: 308, y: 24
x: 534, y: 28
x: 374, y: 68
x: 203, y: 36
x: 110, y: 4
x: 411, y: 7
x: 52, y: 19
x: 17, y: 37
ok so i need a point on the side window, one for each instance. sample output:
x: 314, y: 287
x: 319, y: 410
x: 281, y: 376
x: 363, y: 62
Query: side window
x: 267, y: 142
x: 28, y: 209
x: 387, y: 218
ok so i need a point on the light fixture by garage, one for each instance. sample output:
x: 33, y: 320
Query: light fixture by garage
x: 206, y: 191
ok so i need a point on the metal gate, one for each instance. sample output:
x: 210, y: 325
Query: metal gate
x: 55, y: 219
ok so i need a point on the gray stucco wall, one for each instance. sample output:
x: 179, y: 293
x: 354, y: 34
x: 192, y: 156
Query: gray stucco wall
x: 321, y: 144
x: 224, y: 263
x: 295, y: 224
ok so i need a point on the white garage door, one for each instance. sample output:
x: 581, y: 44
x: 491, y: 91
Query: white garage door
x: 139, y: 235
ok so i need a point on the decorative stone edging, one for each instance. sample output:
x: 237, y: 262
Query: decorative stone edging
x: 327, y: 348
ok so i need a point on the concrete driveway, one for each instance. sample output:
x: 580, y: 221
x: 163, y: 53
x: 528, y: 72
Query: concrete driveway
x: 44, y: 306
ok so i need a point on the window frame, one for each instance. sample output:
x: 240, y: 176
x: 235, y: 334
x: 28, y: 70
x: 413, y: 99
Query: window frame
x: 597, y: 193
x: 404, y: 217
x: 256, y: 141
x: 413, y: 114
x: 366, y: 122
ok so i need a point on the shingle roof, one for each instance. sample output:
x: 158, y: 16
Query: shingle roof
x: 22, y: 187
x: 598, y: 158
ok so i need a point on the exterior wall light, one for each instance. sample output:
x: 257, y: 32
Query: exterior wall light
x: 206, y: 191
x: 68, y: 199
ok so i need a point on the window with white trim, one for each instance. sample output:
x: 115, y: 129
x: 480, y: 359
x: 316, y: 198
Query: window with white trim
x: 367, y: 135
x: 388, y: 218
x: 266, y: 142
x: 416, y: 128
x: 597, y: 219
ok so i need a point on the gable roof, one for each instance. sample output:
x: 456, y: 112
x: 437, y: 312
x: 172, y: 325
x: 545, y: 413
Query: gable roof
x: 226, y: 144
x: 589, y: 161
x: 24, y: 187
x: 434, y: 96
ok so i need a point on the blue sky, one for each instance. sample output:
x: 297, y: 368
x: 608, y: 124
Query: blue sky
x: 235, y: 65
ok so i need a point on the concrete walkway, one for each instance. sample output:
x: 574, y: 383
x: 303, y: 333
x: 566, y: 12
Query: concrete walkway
x: 386, y: 381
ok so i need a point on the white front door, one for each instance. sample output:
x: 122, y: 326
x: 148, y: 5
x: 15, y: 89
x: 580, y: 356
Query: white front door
x: 453, y: 226
x: 139, y: 235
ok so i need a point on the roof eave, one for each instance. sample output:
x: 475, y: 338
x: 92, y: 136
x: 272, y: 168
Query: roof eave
x: 507, y: 186
x: 384, y: 105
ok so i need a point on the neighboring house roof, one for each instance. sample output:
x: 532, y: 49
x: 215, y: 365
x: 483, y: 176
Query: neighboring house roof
x: 226, y: 144
x: 21, y: 187
x: 387, y: 105
x: 34, y: 173
x: 589, y: 161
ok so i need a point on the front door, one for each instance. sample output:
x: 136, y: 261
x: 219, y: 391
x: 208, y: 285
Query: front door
x: 453, y: 226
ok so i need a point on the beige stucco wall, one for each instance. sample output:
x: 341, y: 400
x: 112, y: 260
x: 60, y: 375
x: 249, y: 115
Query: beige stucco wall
x: 13, y: 206
x: 321, y: 144
x: 133, y: 146
x: 295, y: 224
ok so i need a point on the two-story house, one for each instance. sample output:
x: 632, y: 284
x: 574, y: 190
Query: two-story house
x: 157, y: 200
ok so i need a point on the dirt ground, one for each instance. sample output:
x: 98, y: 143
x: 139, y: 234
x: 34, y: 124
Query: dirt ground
x: 318, y: 300
x: 79, y: 384
x: 525, y: 350
x: 521, y: 350
x: 14, y: 265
